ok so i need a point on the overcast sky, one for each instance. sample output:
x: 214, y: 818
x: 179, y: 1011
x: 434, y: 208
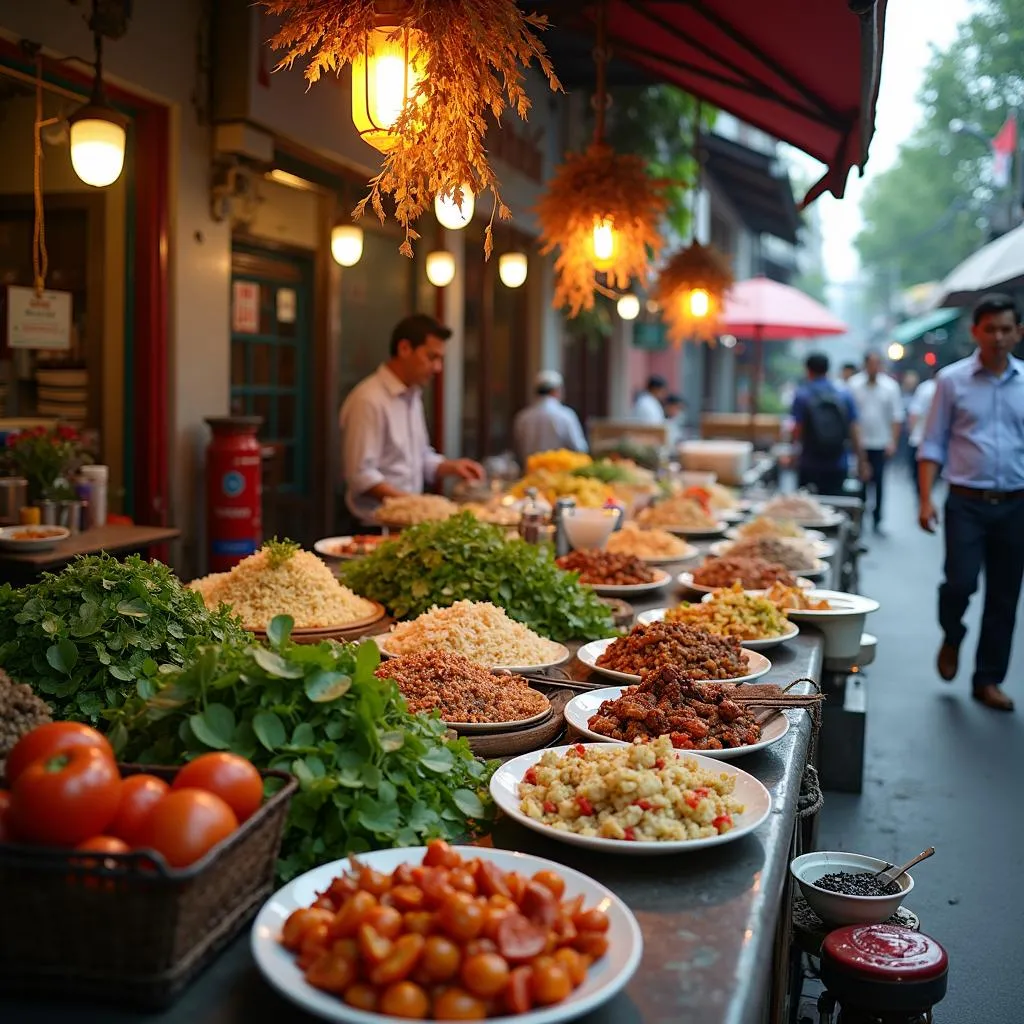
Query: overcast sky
x: 912, y: 28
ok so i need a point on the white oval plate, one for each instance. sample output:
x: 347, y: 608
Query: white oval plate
x: 584, y: 706
x: 842, y: 604
x: 822, y: 548
x: 626, y: 589
x: 756, y: 799
x: 691, y: 552
x: 825, y: 522
x: 685, y: 579
x: 10, y: 538
x: 323, y: 547
x: 562, y: 659
x: 470, y: 728
x: 761, y: 644
x: 604, y: 979
x: 733, y: 533
x: 588, y: 654
x: 683, y: 531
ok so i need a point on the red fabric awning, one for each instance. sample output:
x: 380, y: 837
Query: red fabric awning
x: 804, y: 71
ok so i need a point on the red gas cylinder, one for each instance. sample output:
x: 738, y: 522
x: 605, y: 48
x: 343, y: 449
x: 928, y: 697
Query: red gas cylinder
x: 234, y: 491
x: 882, y: 972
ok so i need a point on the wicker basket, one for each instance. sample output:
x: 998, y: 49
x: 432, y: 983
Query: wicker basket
x: 130, y: 931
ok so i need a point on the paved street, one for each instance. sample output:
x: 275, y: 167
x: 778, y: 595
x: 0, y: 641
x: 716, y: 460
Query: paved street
x: 943, y: 771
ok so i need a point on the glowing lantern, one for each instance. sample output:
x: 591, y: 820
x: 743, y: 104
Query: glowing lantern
x: 448, y: 212
x: 604, y: 244
x: 896, y: 352
x: 700, y: 303
x: 440, y: 268
x: 97, y: 143
x: 512, y: 268
x: 384, y: 80
x: 347, y: 244
x: 628, y: 307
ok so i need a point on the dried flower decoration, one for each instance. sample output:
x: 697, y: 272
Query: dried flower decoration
x: 594, y: 191
x: 690, y: 291
x: 469, y: 62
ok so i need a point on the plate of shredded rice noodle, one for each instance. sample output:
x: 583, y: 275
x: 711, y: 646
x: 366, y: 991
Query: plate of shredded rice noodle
x: 478, y: 630
x: 282, y: 579
x: 654, y: 546
x: 412, y: 509
x: 470, y: 698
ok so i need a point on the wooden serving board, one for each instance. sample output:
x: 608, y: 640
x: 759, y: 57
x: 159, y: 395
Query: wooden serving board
x: 349, y: 631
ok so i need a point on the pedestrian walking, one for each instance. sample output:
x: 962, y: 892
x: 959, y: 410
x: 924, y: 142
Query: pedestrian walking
x: 917, y: 418
x: 547, y: 424
x: 825, y: 427
x: 880, y: 415
x: 975, y: 435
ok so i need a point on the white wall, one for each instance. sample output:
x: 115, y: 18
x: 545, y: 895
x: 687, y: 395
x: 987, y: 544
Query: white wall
x: 158, y: 59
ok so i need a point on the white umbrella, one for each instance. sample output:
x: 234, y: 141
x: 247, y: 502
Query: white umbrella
x: 994, y: 267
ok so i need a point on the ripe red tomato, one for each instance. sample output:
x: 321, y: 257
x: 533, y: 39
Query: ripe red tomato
x: 5, y: 814
x: 229, y: 776
x: 186, y: 824
x: 139, y: 795
x: 65, y: 798
x: 52, y: 738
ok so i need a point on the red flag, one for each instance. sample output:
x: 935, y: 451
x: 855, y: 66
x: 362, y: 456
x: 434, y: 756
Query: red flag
x: 1004, y: 145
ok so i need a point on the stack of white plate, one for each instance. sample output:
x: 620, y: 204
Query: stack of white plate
x: 63, y: 393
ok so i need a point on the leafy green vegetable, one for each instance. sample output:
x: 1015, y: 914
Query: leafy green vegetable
x: 279, y: 551
x: 607, y: 472
x: 86, y: 637
x: 464, y: 559
x: 370, y: 773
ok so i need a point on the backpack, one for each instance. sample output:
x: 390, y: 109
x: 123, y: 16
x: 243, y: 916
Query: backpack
x: 826, y: 425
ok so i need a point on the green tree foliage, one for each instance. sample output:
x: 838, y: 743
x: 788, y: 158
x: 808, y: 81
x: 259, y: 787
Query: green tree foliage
x: 936, y: 204
x: 657, y: 122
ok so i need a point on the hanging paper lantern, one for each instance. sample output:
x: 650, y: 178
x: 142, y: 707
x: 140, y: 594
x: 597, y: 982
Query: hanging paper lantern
x: 690, y: 291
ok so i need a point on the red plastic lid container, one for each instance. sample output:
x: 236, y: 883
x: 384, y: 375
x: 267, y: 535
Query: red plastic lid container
x: 884, y: 967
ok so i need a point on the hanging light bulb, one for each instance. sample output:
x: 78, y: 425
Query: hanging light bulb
x: 440, y: 268
x: 448, y: 212
x: 347, y: 244
x: 384, y: 79
x: 513, y: 268
x: 604, y: 244
x: 700, y: 303
x: 628, y: 307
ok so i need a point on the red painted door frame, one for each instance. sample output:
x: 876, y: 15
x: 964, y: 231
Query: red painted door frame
x: 148, y: 385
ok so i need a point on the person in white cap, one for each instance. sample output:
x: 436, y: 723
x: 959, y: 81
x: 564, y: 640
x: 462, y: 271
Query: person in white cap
x: 547, y: 423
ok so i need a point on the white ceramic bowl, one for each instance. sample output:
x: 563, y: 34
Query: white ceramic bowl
x: 835, y: 908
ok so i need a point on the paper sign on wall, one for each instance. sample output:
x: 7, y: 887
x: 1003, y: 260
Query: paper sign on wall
x: 245, y: 307
x: 38, y: 321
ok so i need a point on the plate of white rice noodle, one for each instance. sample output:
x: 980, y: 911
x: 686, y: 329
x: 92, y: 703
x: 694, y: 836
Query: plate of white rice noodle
x: 282, y: 579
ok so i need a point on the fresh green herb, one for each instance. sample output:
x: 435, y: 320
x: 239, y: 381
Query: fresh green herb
x: 464, y: 559
x: 607, y: 472
x: 87, y: 636
x: 371, y: 774
x: 279, y: 551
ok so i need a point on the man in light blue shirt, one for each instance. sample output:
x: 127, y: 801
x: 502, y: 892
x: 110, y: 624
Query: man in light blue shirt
x: 975, y: 434
x: 547, y: 424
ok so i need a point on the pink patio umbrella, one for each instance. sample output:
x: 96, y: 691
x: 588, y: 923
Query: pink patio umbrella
x: 766, y: 310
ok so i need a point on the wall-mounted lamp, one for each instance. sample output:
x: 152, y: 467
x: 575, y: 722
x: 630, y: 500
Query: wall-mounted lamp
x: 440, y: 268
x: 513, y: 268
x: 628, y: 307
x: 347, y: 244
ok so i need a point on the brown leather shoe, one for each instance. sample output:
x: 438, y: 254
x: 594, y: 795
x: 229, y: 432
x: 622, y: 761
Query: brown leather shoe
x: 948, y: 662
x: 992, y: 697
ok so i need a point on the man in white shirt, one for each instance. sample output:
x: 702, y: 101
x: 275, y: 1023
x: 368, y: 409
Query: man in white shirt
x: 547, y: 424
x: 649, y: 407
x: 880, y: 416
x: 386, y: 450
x: 917, y: 417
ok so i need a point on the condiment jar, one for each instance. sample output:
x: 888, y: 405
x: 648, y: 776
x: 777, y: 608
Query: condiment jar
x: 881, y: 974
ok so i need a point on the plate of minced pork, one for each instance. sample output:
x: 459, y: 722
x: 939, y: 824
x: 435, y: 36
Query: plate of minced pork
x: 282, y: 579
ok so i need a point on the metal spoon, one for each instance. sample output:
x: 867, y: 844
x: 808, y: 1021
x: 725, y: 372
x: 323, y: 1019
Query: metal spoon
x: 890, y: 874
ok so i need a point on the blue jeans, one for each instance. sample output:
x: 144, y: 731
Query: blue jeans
x: 978, y: 534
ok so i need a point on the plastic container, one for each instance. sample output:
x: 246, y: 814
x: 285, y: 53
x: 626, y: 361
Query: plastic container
x: 97, y: 478
x: 728, y: 460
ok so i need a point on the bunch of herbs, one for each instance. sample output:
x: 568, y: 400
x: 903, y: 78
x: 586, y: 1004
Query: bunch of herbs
x: 85, y: 637
x: 462, y: 559
x: 371, y: 774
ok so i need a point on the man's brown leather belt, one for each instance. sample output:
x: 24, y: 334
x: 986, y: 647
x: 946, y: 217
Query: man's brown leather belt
x: 980, y: 494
